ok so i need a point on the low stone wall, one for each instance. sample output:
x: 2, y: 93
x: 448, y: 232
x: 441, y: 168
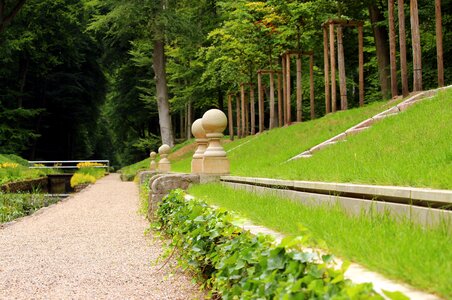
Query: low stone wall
x: 161, y: 184
x: 30, y: 185
x: 144, y: 176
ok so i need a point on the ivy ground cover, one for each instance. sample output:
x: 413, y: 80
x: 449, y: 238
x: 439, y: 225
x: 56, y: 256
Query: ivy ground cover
x: 238, y: 265
x: 395, y: 248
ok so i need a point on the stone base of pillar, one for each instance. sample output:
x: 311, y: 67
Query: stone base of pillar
x: 164, y: 167
x: 196, y: 166
x: 216, y: 165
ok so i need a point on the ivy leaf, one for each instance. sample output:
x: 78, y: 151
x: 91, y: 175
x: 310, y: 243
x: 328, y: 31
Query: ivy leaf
x: 304, y: 256
x: 395, y: 295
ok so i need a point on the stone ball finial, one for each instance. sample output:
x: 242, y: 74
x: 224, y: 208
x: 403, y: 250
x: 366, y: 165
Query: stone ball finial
x: 153, y: 155
x: 164, y: 149
x: 197, y: 130
x: 214, y: 121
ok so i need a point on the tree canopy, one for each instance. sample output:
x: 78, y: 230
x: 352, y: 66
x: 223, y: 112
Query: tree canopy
x: 114, y: 79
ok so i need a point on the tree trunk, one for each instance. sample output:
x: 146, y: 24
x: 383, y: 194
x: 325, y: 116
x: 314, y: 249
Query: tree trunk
x: 182, y: 122
x: 288, y: 92
x: 252, y: 110
x: 311, y: 85
x: 416, y: 41
x: 260, y: 102
x: 333, y: 68
x: 247, y: 117
x: 439, y: 43
x: 402, y: 47
x: 280, y: 109
x: 272, y: 101
x: 7, y: 17
x: 341, y: 65
x: 239, y: 131
x: 299, y: 90
x: 158, y: 59
x: 189, y: 119
x: 242, y: 101
x: 326, y: 68
x: 361, y: 64
x: 381, y: 37
x: 230, y: 119
x: 392, y: 48
x: 284, y: 86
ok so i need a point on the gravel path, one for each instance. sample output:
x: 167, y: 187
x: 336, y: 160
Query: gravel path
x: 91, y: 246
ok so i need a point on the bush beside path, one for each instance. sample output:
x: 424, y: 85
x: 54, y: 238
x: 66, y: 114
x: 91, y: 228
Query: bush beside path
x: 90, y: 246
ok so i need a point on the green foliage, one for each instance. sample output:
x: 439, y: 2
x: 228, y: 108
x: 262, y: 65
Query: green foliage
x: 13, y: 158
x: 95, y: 172
x: 238, y: 265
x: 14, y: 206
x: 81, y: 178
x: 144, y: 197
x: 77, y: 79
x: 20, y: 171
x: 131, y: 171
x: 381, y: 243
x: 52, y: 84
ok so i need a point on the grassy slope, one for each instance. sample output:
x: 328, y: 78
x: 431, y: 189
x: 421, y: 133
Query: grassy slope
x: 133, y: 169
x: 20, y: 172
x: 412, y: 149
x: 274, y: 147
x: 399, y: 250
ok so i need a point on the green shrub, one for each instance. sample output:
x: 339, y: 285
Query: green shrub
x: 14, y: 168
x: 15, y: 205
x: 95, y: 172
x: 80, y: 178
x: 238, y: 265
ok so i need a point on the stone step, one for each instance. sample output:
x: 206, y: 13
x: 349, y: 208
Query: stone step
x: 381, y: 117
x: 353, y: 131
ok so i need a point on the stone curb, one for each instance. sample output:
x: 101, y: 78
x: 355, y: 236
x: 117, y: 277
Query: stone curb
x: 371, y: 191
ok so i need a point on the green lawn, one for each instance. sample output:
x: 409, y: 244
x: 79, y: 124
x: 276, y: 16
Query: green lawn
x: 411, y: 149
x: 280, y: 144
x: 15, y: 168
x: 131, y: 170
x: 401, y: 250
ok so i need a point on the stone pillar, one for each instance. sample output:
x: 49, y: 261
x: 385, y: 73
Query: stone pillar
x: 215, y: 162
x: 153, y: 165
x: 201, y: 143
x: 164, y: 163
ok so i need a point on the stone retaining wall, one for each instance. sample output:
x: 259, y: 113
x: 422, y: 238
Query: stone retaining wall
x: 161, y: 184
x: 30, y: 185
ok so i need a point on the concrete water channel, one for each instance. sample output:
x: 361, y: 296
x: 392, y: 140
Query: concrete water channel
x: 60, y: 183
x: 428, y: 207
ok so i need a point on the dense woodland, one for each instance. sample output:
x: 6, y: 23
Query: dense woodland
x: 112, y: 79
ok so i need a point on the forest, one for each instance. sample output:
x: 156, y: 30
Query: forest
x: 111, y: 79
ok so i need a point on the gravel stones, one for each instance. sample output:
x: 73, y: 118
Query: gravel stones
x: 90, y: 246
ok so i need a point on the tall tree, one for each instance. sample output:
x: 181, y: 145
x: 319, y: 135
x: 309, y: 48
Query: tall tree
x: 159, y: 65
x: 8, y: 11
x: 382, y: 49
